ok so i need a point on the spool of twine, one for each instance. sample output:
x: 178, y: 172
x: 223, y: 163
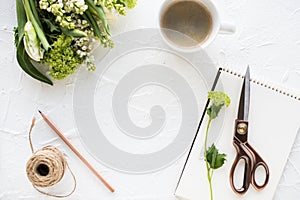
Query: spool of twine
x: 46, y: 167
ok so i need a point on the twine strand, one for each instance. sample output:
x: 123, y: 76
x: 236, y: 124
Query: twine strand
x: 29, y: 134
x: 46, y: 167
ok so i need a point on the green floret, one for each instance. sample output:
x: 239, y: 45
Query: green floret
x: 119, y: 5
x: 62, y: 59
x: 218, y: 100
x: 130, y: 3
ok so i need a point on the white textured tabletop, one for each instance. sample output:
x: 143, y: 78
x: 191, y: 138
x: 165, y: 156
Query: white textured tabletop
x: 267, y: 38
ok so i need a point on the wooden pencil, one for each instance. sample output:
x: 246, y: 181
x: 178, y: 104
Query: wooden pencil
x: 54, y: 128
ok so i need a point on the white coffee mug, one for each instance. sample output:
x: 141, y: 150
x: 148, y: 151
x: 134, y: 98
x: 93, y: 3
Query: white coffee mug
x: 217, y: 26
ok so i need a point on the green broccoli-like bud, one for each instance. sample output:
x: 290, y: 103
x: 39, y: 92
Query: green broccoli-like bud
x: 130, y: 3
x: 217, y: 101
x: 119, y: 5
x: 61, y: 58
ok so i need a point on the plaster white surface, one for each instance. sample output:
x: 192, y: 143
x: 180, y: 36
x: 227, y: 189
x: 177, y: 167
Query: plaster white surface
x: 267, y: 38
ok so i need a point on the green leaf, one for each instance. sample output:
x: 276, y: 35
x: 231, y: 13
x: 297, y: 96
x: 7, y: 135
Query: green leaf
x: 91, y: 20
x: 28, y: 67
x: 213, y: 157
x: 21, y: 17
x: 74, y: 32
x: 100, y: 14
x: 35, y: 13
x: 217, y: 101
x: 51, y: 26
x: 16, y: 36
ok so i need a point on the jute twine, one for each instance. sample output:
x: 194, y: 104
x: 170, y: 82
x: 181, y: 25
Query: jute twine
x: 46, y: 167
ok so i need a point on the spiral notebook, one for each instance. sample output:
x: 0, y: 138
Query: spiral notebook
x: 273, y: 125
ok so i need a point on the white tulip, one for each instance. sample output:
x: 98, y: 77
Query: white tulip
x: 32, y: 43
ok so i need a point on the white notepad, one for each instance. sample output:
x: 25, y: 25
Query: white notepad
x: 273, y: 125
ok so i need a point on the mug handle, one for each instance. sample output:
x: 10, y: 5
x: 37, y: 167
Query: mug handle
x: 227, y: 28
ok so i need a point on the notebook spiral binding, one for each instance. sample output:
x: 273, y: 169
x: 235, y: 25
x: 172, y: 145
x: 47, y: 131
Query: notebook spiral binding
x: 263, y: 84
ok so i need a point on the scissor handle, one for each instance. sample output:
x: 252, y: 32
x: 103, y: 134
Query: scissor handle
x: 241, y: 154
x: 258, y: 162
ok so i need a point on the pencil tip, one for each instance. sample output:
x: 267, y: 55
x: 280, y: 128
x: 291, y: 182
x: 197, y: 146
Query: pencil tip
x: 40, y: 112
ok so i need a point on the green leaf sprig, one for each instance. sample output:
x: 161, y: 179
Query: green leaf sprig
x: 214, y: 159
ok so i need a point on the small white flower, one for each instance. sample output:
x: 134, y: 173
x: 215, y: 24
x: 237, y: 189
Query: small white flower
x: 58, y: 18
x: 84, y: 22
x: 84, y: 48
x: 61, y: 5
x: 80, y: 2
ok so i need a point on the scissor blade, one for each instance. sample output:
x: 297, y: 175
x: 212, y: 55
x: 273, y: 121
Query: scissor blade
x: 245, y: 97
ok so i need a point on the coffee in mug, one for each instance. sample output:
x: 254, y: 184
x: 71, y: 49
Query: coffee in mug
x: 190, y: 25
x: 188, y: 17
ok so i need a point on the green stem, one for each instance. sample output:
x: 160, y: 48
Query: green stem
x: 36, y: 26
x: 206, y: 136
x: 100, y: 13
x: 209, y: 170
x: 210, y: 188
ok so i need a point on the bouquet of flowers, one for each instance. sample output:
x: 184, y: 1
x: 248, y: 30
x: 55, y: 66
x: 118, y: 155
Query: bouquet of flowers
x: 60, y: 33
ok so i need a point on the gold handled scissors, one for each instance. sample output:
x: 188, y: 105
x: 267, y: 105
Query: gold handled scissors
x: 244, y: 150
